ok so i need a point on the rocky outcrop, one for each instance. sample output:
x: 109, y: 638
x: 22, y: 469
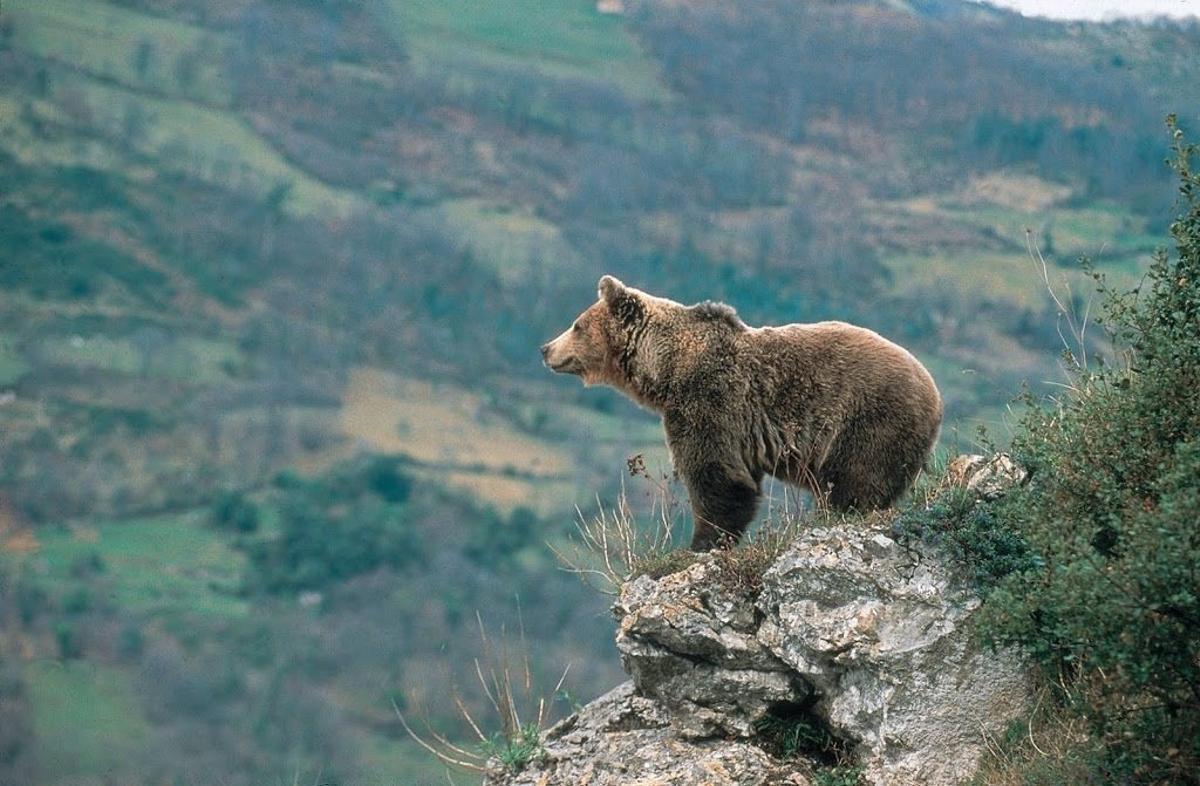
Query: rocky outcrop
x: 849, y: 631
x: 880, y: 633
x: 623, y: 738
x: 692, y: 644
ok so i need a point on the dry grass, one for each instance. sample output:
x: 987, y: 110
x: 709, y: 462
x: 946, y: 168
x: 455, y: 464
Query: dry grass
x: 612, y: 547
x: 1050, y: 746
x: 506, y: 678
x: 615, y: 546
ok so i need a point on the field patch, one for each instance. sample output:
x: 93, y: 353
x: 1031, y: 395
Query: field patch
x: 565, y: 39
x: 85, y: 720
x: 147, y: 52
x: 450, y: 428
x: 208, y: 143
x: 170, y: 565
x: 510, y: 239
x: 194, y: 360
x: 440, y: 424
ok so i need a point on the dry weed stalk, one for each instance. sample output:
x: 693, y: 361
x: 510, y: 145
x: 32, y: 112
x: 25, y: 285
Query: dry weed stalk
x: 1075, y: 346
x: 609, y: 547
x: 1049, y: 742
x: 517, y: 739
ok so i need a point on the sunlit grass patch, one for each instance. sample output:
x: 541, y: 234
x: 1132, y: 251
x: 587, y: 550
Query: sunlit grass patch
x: 85, y: 720
x: 512, y: 240
x: 210, y: 144
x: 168, y: 565
x: 193, y: 360
x: 981, y: 275
x: 567, y: 39
x: 148, y: 52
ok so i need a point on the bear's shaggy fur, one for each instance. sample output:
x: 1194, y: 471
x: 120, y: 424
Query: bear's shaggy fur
x: 831, y: 407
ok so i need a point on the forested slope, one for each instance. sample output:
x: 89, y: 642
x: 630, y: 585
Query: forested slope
x: 272, y: 269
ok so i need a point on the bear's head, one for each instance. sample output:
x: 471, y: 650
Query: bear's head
x: 632, y: 341
x: 592, y: 347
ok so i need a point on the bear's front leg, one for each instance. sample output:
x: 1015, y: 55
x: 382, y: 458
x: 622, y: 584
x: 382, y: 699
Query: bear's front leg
x: 723, y: 504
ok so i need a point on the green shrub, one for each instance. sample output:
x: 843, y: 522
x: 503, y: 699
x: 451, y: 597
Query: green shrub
x: 336, y: 527
x: 972, y: 532
x: 232, y: 511
x: 1113, y: 599
x: 385, y: 478
x: 495, y: 541
x: 70, y: 646
x: 77, y: 601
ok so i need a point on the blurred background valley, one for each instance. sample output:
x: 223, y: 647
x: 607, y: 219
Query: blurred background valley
x: 273, y: 275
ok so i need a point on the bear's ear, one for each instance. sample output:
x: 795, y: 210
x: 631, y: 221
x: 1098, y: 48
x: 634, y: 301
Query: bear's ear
x: 611, y: 289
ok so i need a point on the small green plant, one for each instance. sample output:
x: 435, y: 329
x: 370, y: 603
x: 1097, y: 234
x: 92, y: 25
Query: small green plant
x: 839, y: 775
x: 233, y: 511
x: 974, y: 534
x: 794, y: 733
x: 788, y: 735
x: 515, y: 753
x: 510, y: 691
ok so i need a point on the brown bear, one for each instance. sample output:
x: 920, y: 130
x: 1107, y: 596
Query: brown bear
x: 830, y: 407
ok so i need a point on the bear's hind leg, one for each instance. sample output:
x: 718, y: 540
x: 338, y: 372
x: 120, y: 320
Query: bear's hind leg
x: 874, y: 474
x: 723, y: 505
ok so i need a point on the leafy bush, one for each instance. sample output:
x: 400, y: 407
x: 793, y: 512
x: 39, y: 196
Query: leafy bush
x: 1113, y: 600
x: 497, y: 542
x: 335, y: 528
x: 232, y: 511
x: 972, y: 532
x: 70, y: 646
x: 386, y: 479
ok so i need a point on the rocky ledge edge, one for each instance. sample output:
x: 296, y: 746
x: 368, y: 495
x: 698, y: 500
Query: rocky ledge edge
x: 861, y: 636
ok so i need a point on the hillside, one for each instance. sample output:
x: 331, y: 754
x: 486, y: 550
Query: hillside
x: 274, y: 268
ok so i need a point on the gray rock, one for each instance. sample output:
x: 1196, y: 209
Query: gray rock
x: 691, y: 644
x: 987, y: 476
x: 871, y: 637
x: 622, y: 739
x: 882, y: 635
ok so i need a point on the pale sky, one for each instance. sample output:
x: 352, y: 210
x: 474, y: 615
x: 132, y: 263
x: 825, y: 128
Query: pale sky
x: 1102, y: 9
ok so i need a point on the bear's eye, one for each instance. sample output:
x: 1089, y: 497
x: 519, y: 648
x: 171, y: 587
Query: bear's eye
x: 577, y: 327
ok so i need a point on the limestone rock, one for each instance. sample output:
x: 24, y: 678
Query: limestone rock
x: 691, y: 644
x: 866, y: 637
x: 622, y: 739
x: 879, y: 631
x: 987, y: 476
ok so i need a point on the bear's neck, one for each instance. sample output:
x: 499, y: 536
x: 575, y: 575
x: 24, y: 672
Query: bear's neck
x: 648, y: 387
